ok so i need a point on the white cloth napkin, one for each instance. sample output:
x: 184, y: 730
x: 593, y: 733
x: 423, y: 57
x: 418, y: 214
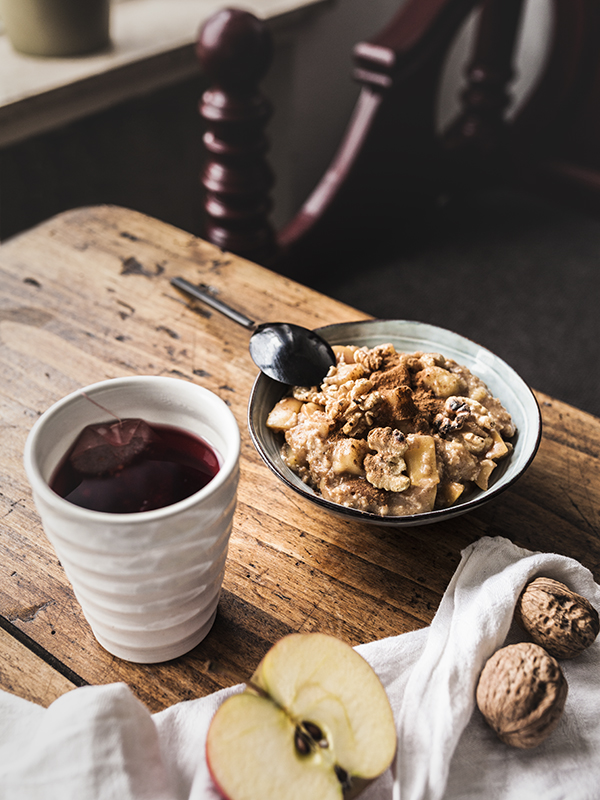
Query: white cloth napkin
x: 101, y: 743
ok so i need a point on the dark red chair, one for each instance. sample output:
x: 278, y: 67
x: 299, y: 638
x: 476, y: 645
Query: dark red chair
x: 490, y: 228
x: 392, y: 162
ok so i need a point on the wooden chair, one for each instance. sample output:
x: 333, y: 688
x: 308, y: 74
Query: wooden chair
x: 442, y: 227
x: 392, y: 163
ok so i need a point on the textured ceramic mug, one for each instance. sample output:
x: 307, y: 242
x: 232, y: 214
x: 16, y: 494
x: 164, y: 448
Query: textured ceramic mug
x: 148, y: 582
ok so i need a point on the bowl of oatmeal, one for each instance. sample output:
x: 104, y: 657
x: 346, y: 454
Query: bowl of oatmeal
x: 413, y: 425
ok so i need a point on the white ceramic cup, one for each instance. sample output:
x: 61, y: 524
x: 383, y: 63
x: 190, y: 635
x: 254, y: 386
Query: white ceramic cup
x: 148, y: 582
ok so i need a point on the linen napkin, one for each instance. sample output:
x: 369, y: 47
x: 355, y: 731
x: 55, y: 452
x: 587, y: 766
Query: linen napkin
x: 101, y: 743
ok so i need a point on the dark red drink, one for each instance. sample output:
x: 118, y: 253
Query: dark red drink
x: 172, y: 466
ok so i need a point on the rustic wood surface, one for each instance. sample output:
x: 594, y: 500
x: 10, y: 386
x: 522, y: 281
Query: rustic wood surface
x: 86, y: 296
x: 28, y: 676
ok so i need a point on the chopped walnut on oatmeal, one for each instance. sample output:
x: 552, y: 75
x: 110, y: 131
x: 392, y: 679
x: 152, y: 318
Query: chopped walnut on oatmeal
x: 386, y: 467
x: 393, y: 433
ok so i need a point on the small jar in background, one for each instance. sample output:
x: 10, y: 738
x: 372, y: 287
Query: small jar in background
x: 58, y: 28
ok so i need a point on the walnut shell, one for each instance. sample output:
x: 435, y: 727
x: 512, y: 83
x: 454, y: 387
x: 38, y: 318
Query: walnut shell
x: 561, y: 621
x: 522, y: 693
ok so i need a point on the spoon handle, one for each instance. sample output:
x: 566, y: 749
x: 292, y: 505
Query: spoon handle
x: 213, y: 302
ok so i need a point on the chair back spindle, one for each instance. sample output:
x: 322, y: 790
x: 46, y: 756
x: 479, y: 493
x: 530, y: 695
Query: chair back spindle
x: 479, y: 132
x: 234, y: 49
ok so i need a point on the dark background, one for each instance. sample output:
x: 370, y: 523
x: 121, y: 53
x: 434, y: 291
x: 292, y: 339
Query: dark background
x: 144, y: 154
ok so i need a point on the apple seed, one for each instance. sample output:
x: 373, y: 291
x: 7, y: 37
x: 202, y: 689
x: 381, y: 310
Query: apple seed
x: 315, y: 733
x: 343, y: 778
x: 304, y: 743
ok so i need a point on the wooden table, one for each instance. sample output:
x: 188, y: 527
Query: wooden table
x: 86, y: 296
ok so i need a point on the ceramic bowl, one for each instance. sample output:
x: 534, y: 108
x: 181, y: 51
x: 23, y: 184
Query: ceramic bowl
x: 407, y: 336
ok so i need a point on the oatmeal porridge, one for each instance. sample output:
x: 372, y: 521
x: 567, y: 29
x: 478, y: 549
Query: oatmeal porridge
x: 393, y: 433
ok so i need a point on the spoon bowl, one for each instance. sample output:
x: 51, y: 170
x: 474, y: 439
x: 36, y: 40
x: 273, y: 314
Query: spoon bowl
x: 285, y: 352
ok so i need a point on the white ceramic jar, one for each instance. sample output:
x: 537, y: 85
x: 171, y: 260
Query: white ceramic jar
x: 148, y: 582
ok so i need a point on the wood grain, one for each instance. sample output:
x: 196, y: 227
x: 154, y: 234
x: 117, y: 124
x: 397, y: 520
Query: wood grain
x: 86, y: 296
x: 24, y: 674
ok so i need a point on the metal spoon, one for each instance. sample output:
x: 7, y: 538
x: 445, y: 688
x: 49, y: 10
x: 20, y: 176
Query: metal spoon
x: 285, y: 352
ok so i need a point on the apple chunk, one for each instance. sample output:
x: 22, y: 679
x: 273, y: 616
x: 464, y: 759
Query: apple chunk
x: 314, y: 722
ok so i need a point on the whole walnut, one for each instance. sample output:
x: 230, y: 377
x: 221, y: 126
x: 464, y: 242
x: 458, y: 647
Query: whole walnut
x: 522, y: 693
x: 562, y: 622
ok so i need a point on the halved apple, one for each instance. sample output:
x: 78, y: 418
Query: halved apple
x: 313, y: 722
